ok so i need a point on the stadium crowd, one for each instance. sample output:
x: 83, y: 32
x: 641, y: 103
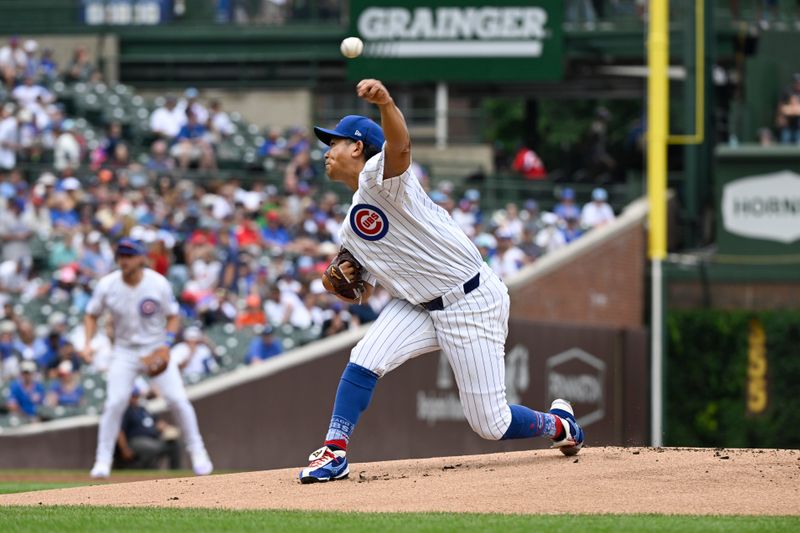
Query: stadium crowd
x: 244, y: 256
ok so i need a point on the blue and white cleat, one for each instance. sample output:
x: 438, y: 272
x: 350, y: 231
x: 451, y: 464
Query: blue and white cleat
x: 326, y: 465
x: 573, y: 433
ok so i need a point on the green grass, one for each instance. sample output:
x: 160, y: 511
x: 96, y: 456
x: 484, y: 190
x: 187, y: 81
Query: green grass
x: 13, y: 486
x: 55, y: 519
x: 133, y: 474
x: 61, y: 479
x: 49, y: 519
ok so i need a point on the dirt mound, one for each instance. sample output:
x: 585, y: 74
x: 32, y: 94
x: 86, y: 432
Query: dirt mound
x: 598, y: 480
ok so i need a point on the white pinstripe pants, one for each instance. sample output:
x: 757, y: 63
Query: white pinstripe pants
x: 125, y: 366
x: 471, y: 332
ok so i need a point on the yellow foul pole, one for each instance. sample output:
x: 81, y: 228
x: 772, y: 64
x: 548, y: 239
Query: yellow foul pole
x: 657, y: 131
x: 657, y: 125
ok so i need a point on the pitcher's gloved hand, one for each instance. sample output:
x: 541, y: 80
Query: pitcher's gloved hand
x: 343, y: 277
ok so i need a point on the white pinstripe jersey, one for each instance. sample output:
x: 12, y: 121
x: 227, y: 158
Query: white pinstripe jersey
x: 139, y: 313
x: 406, y: 242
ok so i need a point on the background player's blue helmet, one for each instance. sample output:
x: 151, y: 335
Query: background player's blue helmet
x: 356, y: 128
x: 128, y: 246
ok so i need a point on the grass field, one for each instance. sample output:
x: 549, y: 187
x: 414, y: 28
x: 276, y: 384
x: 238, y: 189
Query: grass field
x: 49, y: 519
x: 7, y: 487
x: 25, y: 480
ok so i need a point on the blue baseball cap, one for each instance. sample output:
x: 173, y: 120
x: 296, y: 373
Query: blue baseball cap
x: 128, y: 246
x: 353, y: 127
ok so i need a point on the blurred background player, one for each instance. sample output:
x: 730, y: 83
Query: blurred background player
x: 145, y: 317
x: 449, y: 300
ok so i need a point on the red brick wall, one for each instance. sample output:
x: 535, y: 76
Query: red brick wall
x: 752, y: 296
x: 603, y: 286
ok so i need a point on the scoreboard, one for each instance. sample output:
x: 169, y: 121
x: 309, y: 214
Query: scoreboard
x: 126, y: 12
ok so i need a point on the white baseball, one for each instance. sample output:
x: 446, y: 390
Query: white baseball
x: 352, y: 47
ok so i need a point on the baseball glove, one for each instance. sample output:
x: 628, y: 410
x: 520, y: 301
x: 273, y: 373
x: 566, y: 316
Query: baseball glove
x: 350, y: 287
x: 156, y: 361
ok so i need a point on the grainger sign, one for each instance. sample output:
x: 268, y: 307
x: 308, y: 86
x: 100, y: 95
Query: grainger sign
x: 469, y: 40
x: 763, y: 207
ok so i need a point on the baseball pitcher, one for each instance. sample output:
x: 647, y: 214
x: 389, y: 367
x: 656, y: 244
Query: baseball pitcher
x: 444, y: 296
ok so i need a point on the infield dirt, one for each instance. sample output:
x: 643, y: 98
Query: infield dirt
x: 598, y: 480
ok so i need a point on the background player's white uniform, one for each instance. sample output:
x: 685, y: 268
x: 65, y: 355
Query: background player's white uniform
x: 422, y: 256
x: 139, y: 315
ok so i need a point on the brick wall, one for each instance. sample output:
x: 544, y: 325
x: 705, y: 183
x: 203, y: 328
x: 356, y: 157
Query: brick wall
x: 752, y: 296
x: 602, y: 286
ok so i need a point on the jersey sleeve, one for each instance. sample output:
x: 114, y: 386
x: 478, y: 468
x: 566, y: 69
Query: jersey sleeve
x: 393, y: 188
x: 97, y: 302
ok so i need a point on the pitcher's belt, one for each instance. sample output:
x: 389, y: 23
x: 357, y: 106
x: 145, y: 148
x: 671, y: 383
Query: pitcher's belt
x: 437, y: 304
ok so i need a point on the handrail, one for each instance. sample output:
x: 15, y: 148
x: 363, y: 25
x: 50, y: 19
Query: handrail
x: 699, y: 83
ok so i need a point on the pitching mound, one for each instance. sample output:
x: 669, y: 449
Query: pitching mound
x: 598, y: 480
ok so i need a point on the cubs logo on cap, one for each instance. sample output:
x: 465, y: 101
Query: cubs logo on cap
x: 368, y: 222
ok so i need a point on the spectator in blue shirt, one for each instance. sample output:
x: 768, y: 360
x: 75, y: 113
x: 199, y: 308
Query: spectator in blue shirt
x: 47, y: 68
x: 46, y: 348
x: 263, y: 347
x: 274, y: 233
x: 274, y: 145
x: 66, y: 352
x: 572, y: 231
x: 26, y: 393
x: 63, y: 214
x: 567, y: 208
x: 191, y: 145
x: 192, y: 130
x: 66, y: 390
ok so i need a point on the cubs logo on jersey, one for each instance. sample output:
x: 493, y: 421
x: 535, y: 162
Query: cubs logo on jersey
x: 149, y: 307
x: 368, y: 222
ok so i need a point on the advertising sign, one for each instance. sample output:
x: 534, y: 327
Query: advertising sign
x: 763, y: 207
x: 468, y: 40
x: 579, y: 376
x: 416, y: 410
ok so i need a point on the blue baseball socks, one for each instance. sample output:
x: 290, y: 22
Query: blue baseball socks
x: 352, y: 398
x: 355, y: 392
x: 527, y: 423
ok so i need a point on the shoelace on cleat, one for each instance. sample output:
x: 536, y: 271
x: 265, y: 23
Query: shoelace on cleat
x: 322, y: 460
